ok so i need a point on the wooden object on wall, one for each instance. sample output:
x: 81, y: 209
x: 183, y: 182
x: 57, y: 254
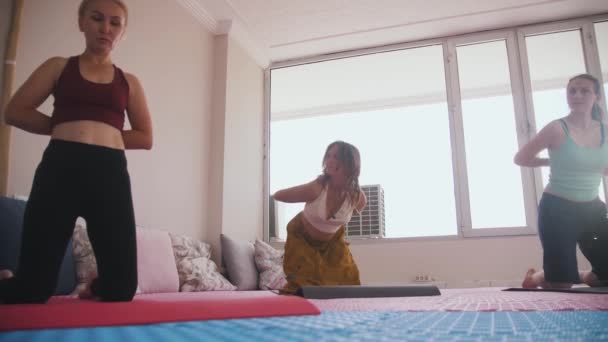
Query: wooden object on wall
x: 10, y: 58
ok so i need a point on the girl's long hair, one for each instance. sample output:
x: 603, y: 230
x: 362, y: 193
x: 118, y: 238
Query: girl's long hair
x: 349, y: 156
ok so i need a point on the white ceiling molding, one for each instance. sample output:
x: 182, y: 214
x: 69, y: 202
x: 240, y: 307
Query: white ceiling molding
x: 224, y: 27
x: 283, y: 30
x: 198, y: 11
x: 258, y: 52
x: 437, y: 27
x: 219, y: 17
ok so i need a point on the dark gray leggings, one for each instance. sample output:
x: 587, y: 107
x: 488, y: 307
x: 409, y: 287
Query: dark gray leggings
x: 563, y: 224
x: 72, y: 180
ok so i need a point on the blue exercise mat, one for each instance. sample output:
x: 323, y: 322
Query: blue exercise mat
x: 350, y: 326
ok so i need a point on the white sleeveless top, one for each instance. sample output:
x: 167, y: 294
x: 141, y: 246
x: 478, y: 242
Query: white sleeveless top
x: 316, y: 214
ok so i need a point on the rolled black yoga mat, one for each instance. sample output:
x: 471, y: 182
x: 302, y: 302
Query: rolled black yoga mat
x: 363, y: 291
x: 602, y: 290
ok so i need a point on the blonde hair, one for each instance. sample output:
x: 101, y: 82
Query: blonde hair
x: 83, y: 7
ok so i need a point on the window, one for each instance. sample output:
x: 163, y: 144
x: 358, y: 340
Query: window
x: 397, y: 117
x: 488, y: 117
x: 424, y: 116
x: 601, y: 37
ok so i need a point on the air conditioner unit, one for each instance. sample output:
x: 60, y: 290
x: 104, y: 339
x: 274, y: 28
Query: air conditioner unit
x: 370, y: 223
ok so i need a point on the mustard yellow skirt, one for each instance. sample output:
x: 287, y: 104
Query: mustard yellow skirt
x: 311, y: 262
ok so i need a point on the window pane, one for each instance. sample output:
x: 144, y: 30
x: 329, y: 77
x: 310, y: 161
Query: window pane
x: 495, y: 187
x: 550, y: 70
x: 403, y: 108
x: 601, y: 34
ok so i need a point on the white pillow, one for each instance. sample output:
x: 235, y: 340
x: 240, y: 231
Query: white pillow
x: 156, y: 269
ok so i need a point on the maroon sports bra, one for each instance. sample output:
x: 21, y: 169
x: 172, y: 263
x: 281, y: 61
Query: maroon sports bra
x: 79, y: 99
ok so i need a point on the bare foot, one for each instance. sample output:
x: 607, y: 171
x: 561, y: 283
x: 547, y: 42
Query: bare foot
x: 84, y: 290
x: 590, y: 279
x: 529, y: 282
x: 6, y: 274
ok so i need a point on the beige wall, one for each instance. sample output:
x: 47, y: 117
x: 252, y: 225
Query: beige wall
x: 471, y: 262
x: 172, y: 55
x: 204, y: 174
x: 236, y: 170
x: 217, y: 133
x: 243, y: 146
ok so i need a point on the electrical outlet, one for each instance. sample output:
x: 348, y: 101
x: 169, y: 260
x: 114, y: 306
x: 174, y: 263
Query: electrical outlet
x: 423, y: 277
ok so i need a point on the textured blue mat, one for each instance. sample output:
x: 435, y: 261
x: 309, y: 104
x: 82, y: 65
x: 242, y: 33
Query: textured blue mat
x: 356, y: 326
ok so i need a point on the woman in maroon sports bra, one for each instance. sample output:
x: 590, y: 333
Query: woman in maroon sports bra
x: 83, y: 172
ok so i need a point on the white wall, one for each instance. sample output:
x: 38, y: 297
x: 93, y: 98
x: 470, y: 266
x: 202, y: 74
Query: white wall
x: 204, y: 174
x: 217, y: 133
x: 172, y: 55
x: 492, y: 261
x: 243, y: 146
x: 236, y: 167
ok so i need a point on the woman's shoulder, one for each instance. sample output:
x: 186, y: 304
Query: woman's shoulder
x: 555, y: 133
x: 319, y: 183
x: 59, y: 60
x: 556, y: 126
x: 51, y: 68
x: 132, y: 80
x: 56, y: 62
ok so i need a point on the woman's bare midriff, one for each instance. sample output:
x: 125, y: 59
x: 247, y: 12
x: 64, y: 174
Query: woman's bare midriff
x: 89, y: 132
x: 314, y: 232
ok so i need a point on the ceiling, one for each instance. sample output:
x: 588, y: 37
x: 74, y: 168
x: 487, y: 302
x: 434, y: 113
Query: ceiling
x: 280, y: 30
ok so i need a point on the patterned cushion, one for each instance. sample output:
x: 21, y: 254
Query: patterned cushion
x: 11, y: 221
x: 269, y: 262
x: 84, y: 259
x: 197, y: 272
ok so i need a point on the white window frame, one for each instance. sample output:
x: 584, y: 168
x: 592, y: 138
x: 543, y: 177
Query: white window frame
x: 465, y: 224
x: 523, y: 108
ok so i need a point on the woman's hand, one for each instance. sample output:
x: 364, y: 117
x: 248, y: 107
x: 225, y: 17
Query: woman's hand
x: 140, y: 135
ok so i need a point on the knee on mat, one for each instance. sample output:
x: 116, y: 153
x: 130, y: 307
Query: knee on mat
x: 124, y: 296
x: 119, y: 293
x: 30, y: 296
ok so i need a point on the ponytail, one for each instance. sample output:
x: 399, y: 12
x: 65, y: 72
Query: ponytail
x: 597, y: 113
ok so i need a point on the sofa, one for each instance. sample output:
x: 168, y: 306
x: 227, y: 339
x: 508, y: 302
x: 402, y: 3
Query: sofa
x: 11, y: 217
x: 167, y: 262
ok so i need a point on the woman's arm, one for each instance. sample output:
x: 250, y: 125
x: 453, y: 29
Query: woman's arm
x: 22, y: 110
x: 302, y: 193
x: 546, y: 138
x: 140, y: 135
x: 361, y: 203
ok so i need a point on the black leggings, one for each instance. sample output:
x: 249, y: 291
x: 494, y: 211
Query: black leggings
x: 561, y: 225
x: 72, y: 180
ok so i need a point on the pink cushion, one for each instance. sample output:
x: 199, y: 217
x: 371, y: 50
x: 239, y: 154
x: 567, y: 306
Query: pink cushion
x: 156, y: 270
